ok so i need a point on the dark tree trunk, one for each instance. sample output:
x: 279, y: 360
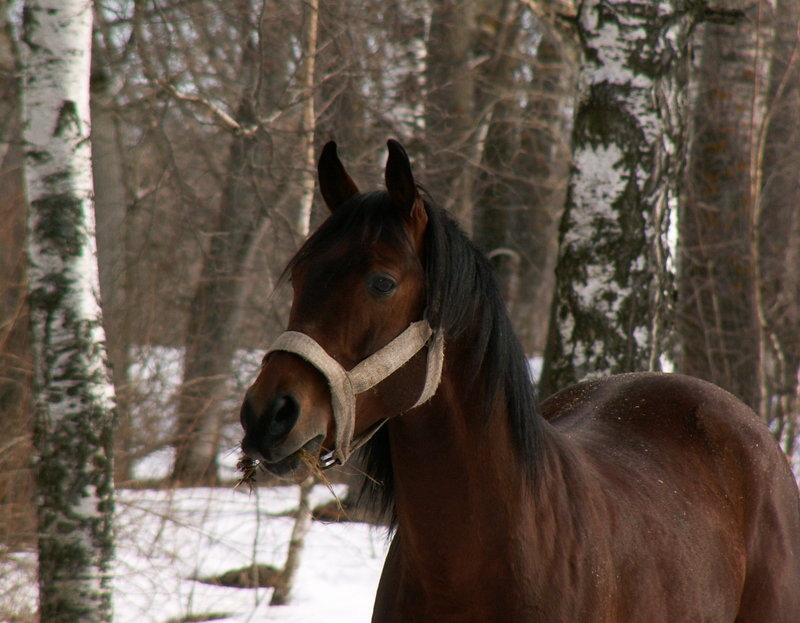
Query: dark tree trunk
x: 111, y: 204
x: 779, y: 235
x: 215, y: 309
x: 17, y: 512
x: 719, y: 310
x: 449, y: 121
x: 516, y: 214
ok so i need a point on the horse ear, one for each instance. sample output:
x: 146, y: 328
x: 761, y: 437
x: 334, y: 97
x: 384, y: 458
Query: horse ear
x: 401, y: 186
x: 335, y: 185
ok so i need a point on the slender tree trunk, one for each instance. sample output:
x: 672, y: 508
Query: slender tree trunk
x: 516, y: 215
x: 74, y: 397
x: 614, y: 274
x: 449, y: 121
x: 214, y: 314
x: 17, y: 513
x: 302, y: 521
x: 302, y: 524
x: 308, y: 121
x: 545, y: 153
x: 765, y: 29
x: 111, y: 203
x: 496, y: 201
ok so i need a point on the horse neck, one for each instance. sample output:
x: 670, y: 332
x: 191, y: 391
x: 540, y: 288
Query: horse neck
x: 457, y: 477
x: 469, y: 517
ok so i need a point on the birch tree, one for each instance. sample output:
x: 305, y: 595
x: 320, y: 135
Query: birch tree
x: 614, y: 272
x: 308, y: 116
x: 74, y: 400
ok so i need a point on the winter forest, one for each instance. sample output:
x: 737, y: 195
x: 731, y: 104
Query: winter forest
x: 631, y: 169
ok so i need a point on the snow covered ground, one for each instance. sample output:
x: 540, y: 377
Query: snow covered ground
x: 167, y: 539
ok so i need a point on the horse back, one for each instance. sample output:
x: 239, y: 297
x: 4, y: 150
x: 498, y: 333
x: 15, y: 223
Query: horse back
x: 686, y: 468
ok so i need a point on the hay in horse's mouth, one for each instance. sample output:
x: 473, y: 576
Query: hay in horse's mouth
x: 294, y: 467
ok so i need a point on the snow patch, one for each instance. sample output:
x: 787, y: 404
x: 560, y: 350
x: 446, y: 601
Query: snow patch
x: 165, y: 539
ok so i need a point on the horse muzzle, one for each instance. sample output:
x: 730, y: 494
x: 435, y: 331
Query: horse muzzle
x: 284, y: 413
x: 264, y: 432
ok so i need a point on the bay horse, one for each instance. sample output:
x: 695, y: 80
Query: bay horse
x: 637, y: 498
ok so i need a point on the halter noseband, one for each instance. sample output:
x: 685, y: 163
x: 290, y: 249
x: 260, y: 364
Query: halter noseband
x: 369, y: 372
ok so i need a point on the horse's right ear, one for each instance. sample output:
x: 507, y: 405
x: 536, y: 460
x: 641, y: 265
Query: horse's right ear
x: 335, y: 184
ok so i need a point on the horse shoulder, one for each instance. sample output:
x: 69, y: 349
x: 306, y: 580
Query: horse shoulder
x: 664, y: 408
x: 684, y: 468
x: 672, y: 426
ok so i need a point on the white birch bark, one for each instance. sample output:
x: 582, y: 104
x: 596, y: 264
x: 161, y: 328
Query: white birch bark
x: 308, y: 120
x: 74, y: 399
x: 614, y: 273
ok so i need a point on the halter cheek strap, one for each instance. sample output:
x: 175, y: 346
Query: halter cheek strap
x: 368, y: 373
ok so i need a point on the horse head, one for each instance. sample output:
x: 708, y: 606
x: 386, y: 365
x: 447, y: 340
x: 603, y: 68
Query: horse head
x: 354, y: 352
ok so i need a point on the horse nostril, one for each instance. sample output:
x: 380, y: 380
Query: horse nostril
x: 282, y: 415
x: 263, y: 429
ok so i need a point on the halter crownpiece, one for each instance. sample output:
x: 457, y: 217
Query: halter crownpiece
x: 345, y: 385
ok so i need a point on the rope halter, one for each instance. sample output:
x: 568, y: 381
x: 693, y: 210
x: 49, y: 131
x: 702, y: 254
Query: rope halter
x: 345, y: 385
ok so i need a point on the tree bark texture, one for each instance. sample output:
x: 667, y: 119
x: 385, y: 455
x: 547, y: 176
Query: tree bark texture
x: 74, y: 397
x: 112, y: 204
x: 614, y: 271
x: 308, y: 117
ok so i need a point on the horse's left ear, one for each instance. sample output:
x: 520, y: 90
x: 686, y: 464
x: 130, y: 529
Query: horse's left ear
x: 335, y: 185
x: 403, y: 189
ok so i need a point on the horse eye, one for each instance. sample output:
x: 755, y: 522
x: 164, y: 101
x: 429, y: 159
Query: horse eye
x: 381, y: 285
